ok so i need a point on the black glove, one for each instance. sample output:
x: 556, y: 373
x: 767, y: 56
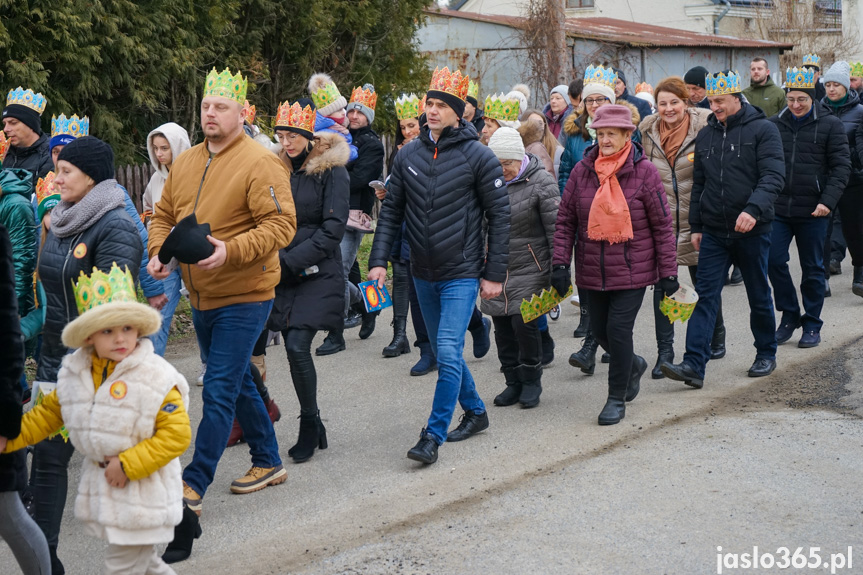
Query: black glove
x: 669, y: 285
x: 561, y: 279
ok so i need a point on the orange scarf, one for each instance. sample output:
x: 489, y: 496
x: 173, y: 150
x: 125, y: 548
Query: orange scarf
x: 672, y: 138
x: 609, y: 217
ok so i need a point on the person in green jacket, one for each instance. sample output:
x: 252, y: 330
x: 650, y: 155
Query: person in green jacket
x: 16, y: 213
x: 762, y: 92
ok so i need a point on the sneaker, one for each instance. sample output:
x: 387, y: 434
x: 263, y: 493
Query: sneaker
x: 554, y: 314
x: 257, y: 478
x: 191, y: 499
x: 574, y: 300
x: 470, y: 424
x: 201, y: 375
x: 353, y: 319
x: 425, y: 451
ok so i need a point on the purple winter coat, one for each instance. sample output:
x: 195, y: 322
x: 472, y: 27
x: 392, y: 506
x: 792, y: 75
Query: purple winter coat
x: 640, y: 262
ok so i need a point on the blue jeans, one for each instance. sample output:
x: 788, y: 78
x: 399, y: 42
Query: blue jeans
x: 447, y: 307
x: 811, y: 235
x: 714, y: 259
x: 227, y: 336
x: 172, y: 291
x: 349, y: 246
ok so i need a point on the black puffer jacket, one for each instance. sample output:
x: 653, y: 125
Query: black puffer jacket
x: 851, y: 114
x: 113, y: 238
x: 36, y: 159
x: 533, y: 204
x: 817, y: 162
x: 739, y: 167
x: 320, y: 191
x: 368, y: 166
x: 442, y: 191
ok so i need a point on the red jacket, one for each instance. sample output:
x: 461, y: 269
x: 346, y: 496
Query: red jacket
x: 640, y: 262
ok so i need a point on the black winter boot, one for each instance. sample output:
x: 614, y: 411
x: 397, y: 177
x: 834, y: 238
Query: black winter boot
x: 368, y: 325
x: 334, y: 343
x: 531, y: 385
x: 312, y: 434
x: 547, y: 348
x: 185, y: 534
x: 615, y: 405
x: 510, y: 395
x: 400, y: 343
x: 583, y: 323
x: 664, y: 336
x: 666, y: 353
x: 585, y: 358
x: 857, y: 281
x: 717, y: 344
x: 427, y: 362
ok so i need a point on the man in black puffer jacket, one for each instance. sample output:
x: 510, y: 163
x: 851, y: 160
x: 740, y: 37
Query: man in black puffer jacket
x: 817, y: 166
x: 442, y: 186
x: 739, y: 170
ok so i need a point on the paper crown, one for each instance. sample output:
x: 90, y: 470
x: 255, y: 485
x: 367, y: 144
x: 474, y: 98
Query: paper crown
x: 27, y: 98
x: 812, y: 60
x: 643, y: 87
x: 800, y: 79
x: 101, y: 288
x: 719, y: 84
x: 249, y: 112
x: 857, y: 70
x: 679, y: 306
x: 45, y: 187
x: 473, y: 90
x: 293, y: 116
x: 74, y: 126
x: 600, y: 75
x: 325, y: 96
x: 450, y: 82
x: 4, y: 145
x: 226, y: 85
x: 367, y: 98
x: 539, y: 305
x: 407, y: 107
x: 497, y: 107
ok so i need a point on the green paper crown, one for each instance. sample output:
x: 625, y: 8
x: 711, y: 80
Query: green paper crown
x: 407, y: 107
x: 541, y: 304
x: 226, y: 85
x: 473, y: 89
x: 497, y: 107
x: 101, y: 288
x: 857, y: 69
x: 326, y: 95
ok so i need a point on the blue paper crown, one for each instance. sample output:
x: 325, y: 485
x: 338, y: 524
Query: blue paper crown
x: 74, y: 126
x: 812, y: 60
x: 27, y: 98
x: 801, y: 79
x: 719, y: 84
x: 600, y: 75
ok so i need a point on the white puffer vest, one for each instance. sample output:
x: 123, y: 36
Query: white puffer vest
x: 109, y: 420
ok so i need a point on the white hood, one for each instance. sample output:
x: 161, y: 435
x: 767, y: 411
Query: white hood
x: 177, y: 137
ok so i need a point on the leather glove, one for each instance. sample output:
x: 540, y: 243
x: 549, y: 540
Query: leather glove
x: 669, y: 285
x: 561, y: 279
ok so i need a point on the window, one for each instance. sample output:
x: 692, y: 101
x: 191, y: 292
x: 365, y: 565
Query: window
x: 579, y: 3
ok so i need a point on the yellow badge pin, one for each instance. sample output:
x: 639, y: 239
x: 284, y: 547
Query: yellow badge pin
x: 118, y: 390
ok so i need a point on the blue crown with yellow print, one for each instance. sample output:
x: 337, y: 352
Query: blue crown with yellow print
x: 600, y: 75
x: 812, y: 60
x: 74, y: 126
x: 720, y: 84
x: 27, y: 98
x: 800, y: 79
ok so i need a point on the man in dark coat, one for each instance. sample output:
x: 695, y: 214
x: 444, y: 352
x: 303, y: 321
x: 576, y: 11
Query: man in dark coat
x: 739, y: 170
x: 694, y: 80
x: 28, y: 146
x: 817, y: 166
x: 622, y: 93
x: 443, y: 185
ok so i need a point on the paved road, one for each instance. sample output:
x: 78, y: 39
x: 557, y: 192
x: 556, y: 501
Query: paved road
x: 771, y: 462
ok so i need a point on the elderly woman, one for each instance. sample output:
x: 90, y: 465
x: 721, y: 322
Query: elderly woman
x: 614, y: 203
x: 668, y: 138
x: 533, y: 200
x: 89, y: 228
x: 557, y: 109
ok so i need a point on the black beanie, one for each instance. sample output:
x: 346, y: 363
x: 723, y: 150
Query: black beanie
x: 27, y: 116
x: 696, y: 76
x: 473, y: 101
x: 620, y: 75
x: 90, y: 155
x: 454, y: 102
x: 808, y: 91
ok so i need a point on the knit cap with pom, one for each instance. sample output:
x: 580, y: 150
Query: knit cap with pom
x: 326, y: 95
x: 521, y: 93
x: 506, y: 144
x: 839, y: 72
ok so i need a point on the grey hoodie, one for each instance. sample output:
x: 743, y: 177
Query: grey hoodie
x: 178, y: 138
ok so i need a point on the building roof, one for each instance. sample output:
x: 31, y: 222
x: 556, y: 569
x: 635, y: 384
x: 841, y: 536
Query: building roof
x: 623, y: 32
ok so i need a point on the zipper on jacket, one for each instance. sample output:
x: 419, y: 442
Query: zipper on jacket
x: 189, y: 266
x: 275, y: 201
x: 530, y: 249
x: 429, y: 204
x: 722, y: 182
x: 677, y: 203
x: 626, y: 258
x: 505, y: 298
x: 63, y: 275
x: 791, y: 177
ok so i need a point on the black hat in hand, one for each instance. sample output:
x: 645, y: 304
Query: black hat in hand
x: 187, y: 242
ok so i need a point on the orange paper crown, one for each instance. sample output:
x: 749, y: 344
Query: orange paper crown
x: 4, y: 145
x: 45, y: 187
x: 249, y: 112
x: 643, y: 87
x: 367, y: 98
x: 450, y: 82
x: 293, y: 116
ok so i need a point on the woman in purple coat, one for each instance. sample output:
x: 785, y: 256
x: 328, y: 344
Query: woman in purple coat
x: 615, y: 204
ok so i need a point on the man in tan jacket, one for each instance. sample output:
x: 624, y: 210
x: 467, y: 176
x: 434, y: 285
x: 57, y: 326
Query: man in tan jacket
x: 243, y: 192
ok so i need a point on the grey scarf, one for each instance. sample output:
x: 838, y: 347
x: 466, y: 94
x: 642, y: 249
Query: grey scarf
x: 69, y: 219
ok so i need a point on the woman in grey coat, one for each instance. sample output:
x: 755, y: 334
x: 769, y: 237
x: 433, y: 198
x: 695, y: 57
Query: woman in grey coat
x: 534, y: 199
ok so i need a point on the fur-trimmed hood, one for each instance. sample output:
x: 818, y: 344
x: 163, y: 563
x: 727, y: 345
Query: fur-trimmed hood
x: 330, y: 151
x: 572, y: 125
x: 531, y: 132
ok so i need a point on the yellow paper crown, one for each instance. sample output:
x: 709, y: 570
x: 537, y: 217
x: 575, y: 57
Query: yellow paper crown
x: 367, y: 98
x: 407, y: 107
x: 473, y: 90
x: 74, y: 126
x: 249, y: 112
x: 497, y: 107
x: 450, y: 82
x: 294, y: 116
x: 101, y: 288
x: 27, y: 98
x: 4, y: 145
x: 800, y: 79
x: 719, y: 84
x: 857, y: 69
x: 226, y: 85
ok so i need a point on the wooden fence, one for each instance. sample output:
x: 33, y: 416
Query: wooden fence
x: 135, y: 179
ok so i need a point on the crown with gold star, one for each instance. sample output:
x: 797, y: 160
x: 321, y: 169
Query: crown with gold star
x: 800, y: 79
x: 101, y: 288
x: 407, y: 107
x: 719, y: 84
x: 600, y: 75
x: 497, y: 107
x: 473, y: 90
x: 4, y: 145
x: 74, y: 126
x: 28, y: 98
x: 226, y: 85
x: 812, y: 60
x: 450, y: 82
x: 364, y: 97
x: 294, y: 116
x: 249, y: 112
x: 857, y: 69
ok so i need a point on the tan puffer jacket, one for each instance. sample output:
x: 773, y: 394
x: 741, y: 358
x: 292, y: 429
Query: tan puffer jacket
x: 677, y: 180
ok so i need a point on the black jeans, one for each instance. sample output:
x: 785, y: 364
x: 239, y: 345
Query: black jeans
x: 851, y: 206
x: 298, y: 344
x: 612, y: 319
x: 49, y: 482
x: 518, y: 343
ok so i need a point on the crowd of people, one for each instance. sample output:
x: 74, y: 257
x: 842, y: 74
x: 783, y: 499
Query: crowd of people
x: 492, y: 204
